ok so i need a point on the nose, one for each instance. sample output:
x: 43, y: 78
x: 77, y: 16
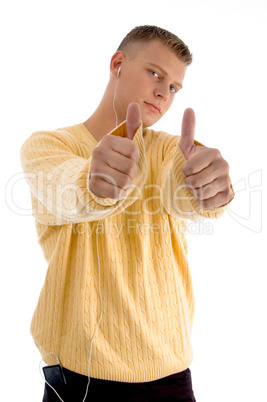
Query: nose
x: 162, y: 92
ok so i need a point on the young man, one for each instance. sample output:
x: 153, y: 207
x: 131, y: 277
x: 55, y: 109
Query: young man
x: 109, y: 197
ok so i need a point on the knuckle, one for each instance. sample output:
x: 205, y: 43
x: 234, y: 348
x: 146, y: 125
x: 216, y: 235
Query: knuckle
x: 125, y: 181
x: 226, y: 165
x: 191, y: 181
x: 227, y: 182
x: 223, y: 164
x: 194, y: 181
x: 105, y: 143
x: 97, y: 152
x: 229, y: 192
x: 205, y: 203
x: 106, y: 140
x: 198, y: 193
x: 132, y: 169
x: 134, y: 151
x: 189, y: 169
x: 216, y: 152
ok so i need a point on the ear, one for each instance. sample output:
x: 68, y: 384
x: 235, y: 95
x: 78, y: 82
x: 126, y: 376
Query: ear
x: 116, y: 62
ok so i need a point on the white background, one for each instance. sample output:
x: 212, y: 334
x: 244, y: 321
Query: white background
x: 55, y: 66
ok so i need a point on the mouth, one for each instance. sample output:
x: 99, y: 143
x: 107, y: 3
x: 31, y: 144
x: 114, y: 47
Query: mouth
x: 153, y: 107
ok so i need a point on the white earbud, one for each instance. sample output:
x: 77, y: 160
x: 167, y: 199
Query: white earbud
x: 119, y: 70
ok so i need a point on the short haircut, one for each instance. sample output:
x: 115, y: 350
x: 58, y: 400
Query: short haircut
x: 146, y: 33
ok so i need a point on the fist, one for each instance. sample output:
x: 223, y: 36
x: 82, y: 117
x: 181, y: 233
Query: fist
x: 115, y: 159
x: 206, y: 172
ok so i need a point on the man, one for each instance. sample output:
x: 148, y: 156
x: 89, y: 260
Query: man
x: 110, y: 197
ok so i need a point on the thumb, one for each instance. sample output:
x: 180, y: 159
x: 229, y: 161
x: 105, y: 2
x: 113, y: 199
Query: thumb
x: 186, y: 143
x: 133, y: 119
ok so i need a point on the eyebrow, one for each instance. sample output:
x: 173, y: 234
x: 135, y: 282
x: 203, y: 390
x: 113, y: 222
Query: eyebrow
x: 165, y: 73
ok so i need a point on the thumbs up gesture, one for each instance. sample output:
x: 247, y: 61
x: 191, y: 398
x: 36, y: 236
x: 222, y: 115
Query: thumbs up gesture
x: 115, y: 159
x: 206, y: 172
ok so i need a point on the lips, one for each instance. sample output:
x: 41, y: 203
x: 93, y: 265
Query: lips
x: 155, y: 108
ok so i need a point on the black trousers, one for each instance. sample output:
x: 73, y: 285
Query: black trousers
x: 176, y: 387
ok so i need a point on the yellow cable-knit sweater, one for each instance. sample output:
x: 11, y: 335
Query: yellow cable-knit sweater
x: 148, y: 302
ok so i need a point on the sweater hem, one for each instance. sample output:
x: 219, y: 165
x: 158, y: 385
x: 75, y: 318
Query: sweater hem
x: 147, y: 375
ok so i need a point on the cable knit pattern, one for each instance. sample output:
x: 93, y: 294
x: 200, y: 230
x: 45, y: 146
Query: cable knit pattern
x: 148, y: 302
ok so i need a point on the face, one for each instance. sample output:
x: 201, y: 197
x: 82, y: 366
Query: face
x: 152, y: 79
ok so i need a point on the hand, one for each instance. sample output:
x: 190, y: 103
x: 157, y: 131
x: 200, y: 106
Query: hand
x: 206, y: 172
x: 115, y: 159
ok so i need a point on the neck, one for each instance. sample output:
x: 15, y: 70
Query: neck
x: 103, y: 120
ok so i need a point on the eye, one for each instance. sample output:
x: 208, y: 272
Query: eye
x: 173, y: 89
x: 154, y: 73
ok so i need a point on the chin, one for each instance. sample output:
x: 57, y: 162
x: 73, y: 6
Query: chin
x: 149, y: 122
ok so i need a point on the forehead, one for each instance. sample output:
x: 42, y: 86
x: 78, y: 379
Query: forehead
x: 155, y: 52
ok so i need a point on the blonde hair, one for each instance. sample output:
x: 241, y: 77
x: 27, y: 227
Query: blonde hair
x: 146, y: 33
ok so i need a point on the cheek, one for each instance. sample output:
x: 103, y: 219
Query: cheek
x: 134, y: 92
x: 140, y: 84
x: 132, y: 88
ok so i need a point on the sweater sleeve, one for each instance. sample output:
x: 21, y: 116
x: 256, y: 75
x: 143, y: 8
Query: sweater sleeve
x: 59, y: 179
x: 178, y: 200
